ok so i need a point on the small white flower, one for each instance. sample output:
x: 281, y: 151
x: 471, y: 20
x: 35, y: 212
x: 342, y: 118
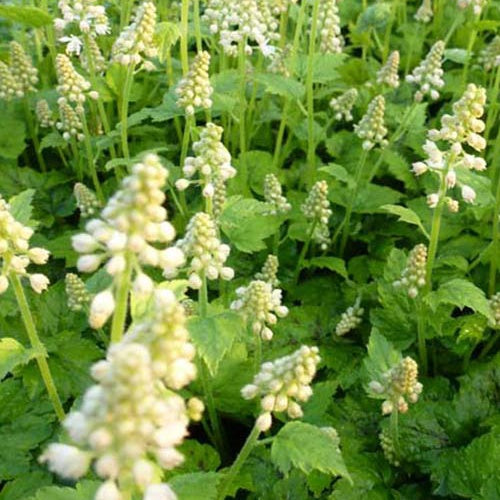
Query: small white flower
x: 38, y: 255
x: 264, y: 422
x: 101, y: 308
x: 468, y: 194
x: 4, y: 284
x: 159, y: 492
x: 108, y: 491
x: 39, y: 282
x: 433, y: 200
x: 73, y: 44
x: 67, y: 461
x: 182, y: 184
x: 88, y: 263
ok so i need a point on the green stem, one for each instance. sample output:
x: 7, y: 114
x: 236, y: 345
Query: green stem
x: 207, y: 389
x: 127, y: 87
x: 395, y: 428
x: 434, y: 237
x: 310, y: 170
x: 304, y: 250
x: 422, y: 348
x: 36, y: 344
x: 33, y: 135
x: 121, y: 308
x: 487, y: 348
x: 197, y: 25
x: 184, y: 36
x: 494, y: 238
x: 351, y: 201
x: 125, y: 13
x: 493, y: 111
x: 470, y: 45
x: 90, y: 159
x: 242, y: 116
x: 244, y: 453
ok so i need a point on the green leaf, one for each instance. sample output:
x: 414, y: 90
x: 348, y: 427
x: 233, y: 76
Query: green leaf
x: 381, y: 355
x: 196, y: 485
x: 339, y: 173
x: 214, y: 336
x: 31, y: 16
x: 85, y: 490
x: 280, y: 85
x: 53, y: 140
x: 21, y: 208
x: 12, y: 134
x: 406, y: 215
x: 12, y: 353
x: 334, y: 264
x: 456, y: 55
x: 166, y: 35
x: 460, y: 293
x: 308, y: 448
x: 245, y: 223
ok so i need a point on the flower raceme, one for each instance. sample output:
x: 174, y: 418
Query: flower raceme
x: 350, y: 319
x: 135, y: 42
x: 459, y: 130
x: 16, y: 254
x: 331, y: 39
x: 428, y: 75
x: 397, y: 386
x: 269, y: 271
x: 273, y: 195
x: 212, y: 162
x: 123, y: 237
x: 388, y: 73
x: 343, y: 104
x: 204, y: 250
x: 260, y: 305
x: 283, y: 384
x: 371, y: 128
x: 413, y: 275
x: 316, y: 208
x: 194, y: 90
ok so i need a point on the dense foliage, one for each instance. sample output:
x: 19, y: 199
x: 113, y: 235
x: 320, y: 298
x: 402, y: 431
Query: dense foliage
x: 249, y: 249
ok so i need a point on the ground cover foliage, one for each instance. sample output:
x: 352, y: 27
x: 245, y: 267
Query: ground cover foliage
x: 249, y: 249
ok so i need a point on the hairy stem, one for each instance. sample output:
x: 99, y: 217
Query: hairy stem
x: 127, y: 87
x: 36, y: 344
x: 244, y: 453
x: 184, y: 37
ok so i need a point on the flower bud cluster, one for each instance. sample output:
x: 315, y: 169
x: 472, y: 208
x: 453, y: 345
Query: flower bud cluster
x: 489, y: 57
x: 260, y: 305
x: 465, y: 124
x: 212, y: 161
x: 132, y: 221
x: 247, y: 21
x: 350, y: 319
x: 387, y: 444
x: 388, y: 73
x: 70, y: 123
x: 273, y: 195
x: 219, y: 197
x: 269, y: 271
x: 428, y: 75
x: 463, y: 128
x: 16, y: 254
x: 126, y: 425
x: 135, y: 42
x: 495, y: 311
x: 86, y: 200
x: 195, y: 90
x: 44, y: 114
x: 476, y: 5
x: 97, y: 63
x: 165, y: 334
x: 372, y: 128
x: 89, y: 16
x: 414, y: 274
x: 316, y: 208
x: 283, y: 384
x: 22, y: 68
x: 280, y: 6
x: 398, y: 386
x: 424, y: 13
x: 206, y: 254
x: 78, y: 296
x: 71, y: 84
x: 331, y: 39
x: 10, y: 87
x: 343, y: 104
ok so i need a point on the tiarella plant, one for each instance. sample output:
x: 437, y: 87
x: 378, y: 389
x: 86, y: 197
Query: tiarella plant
x: 274, y: 240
